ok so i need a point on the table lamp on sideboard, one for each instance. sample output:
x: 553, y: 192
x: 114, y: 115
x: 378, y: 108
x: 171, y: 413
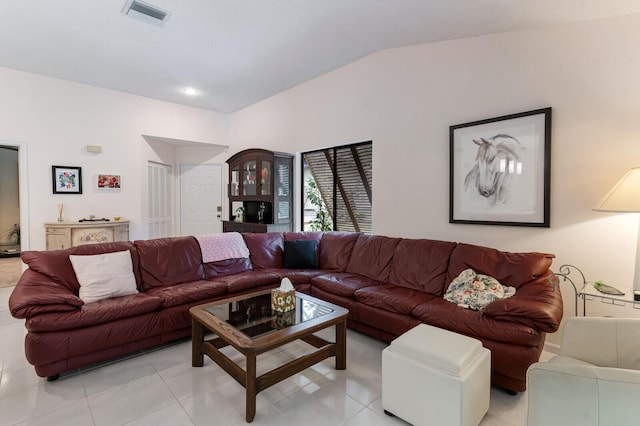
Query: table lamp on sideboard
x: 624, y: 197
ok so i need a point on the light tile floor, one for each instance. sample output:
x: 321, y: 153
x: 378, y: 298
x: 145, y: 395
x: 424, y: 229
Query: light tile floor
x: 10, y: 271
x: 159, y: 387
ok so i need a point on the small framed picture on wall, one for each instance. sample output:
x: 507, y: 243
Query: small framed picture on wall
x: 66, y: 179
x: 109, y: 181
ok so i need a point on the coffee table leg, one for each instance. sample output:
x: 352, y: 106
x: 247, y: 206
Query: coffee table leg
x: 341, y: 345
x: 250, y: 387
x: 197, y: 338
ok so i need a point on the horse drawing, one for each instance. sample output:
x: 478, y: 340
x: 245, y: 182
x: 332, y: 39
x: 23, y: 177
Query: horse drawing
x: 497, y: 161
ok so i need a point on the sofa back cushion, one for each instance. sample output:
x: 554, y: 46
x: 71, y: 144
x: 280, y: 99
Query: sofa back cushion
x: 56, y: 265
x: 223, y: 268
x: 371, y: 256
x: 335, y: 250
x: 169, y: 261
x: 266, y: 250
x: 305, y: 235
x: 512, y: 269
x: 421, y: 265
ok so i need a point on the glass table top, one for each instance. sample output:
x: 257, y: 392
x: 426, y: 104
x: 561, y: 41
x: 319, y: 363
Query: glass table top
x: 253, y: 316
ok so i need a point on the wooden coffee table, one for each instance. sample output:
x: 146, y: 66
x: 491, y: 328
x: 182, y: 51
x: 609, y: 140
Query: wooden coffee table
x: 247, y: 323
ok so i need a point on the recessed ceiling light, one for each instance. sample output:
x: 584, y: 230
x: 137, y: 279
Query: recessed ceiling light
x: 191, y: 91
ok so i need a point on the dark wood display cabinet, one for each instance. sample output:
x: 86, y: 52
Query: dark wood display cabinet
x: 260, y: 183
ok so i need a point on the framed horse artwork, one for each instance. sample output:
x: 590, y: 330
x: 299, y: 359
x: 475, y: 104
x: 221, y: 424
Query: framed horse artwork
x: 499, y: 172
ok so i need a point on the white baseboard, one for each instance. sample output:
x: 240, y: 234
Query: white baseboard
x: 554, y: 348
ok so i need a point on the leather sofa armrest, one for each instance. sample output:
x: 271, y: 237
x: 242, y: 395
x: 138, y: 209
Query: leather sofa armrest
x: 537, y: 304
x: 36, y: 294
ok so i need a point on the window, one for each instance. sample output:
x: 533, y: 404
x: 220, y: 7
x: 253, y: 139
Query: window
x: 337, y: 187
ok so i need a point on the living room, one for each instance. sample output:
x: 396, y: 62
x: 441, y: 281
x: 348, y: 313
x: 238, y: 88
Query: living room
x: 403, y: 99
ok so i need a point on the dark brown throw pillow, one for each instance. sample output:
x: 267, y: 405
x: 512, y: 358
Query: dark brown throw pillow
x: 300, y: 254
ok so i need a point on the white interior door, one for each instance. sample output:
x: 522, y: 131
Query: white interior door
x: 200, y: 199
x: 160, y: 200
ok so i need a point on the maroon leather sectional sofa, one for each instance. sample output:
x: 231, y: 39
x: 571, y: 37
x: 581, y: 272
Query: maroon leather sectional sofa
x: 388, y: 284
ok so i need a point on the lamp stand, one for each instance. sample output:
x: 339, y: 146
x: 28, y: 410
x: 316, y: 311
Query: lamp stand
x: 636, y: 274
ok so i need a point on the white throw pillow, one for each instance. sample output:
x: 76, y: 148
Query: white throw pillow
x: 104, y: 275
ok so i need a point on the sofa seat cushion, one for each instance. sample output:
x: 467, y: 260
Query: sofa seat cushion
x: 298, y: 276
x: 440, y: 313
x: 100, y: 312
x: 342, y: 283
x: 248, y: 280
x: 372, y: 255
x: 168, y: 261
x: 223, y: 268
x: 392, y: 298
x: 345, y: 302
x: 391, y: 323
x: 180, y: 294
x: 512, y: 269
x: 421, y: 265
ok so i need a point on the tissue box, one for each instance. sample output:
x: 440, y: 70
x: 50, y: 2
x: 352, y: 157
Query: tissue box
x: 283, y: 301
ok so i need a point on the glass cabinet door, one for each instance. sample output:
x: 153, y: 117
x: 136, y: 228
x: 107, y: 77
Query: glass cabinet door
x: 234, y: 189
x: 265, y: 177
x: 249, y: 177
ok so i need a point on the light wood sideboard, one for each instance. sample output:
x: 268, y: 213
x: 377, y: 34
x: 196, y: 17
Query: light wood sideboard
x: 70, y: 234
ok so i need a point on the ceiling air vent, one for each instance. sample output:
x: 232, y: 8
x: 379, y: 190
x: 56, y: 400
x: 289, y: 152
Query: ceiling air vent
x: 146, y: 12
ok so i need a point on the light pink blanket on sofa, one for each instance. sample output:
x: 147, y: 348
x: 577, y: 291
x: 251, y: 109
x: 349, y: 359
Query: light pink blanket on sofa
x: 228, y: 245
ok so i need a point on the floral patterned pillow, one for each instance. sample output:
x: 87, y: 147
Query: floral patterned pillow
x: 475, y: 291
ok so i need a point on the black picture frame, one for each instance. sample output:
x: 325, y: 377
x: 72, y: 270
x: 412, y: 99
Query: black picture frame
x: 66, y: 179
x: 500, y: 169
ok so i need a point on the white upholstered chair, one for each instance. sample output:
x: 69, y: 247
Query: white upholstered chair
x: 594, y: 381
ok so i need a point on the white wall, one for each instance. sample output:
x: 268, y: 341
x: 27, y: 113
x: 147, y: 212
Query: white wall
x: 56, y: 119
x: 405, y: 99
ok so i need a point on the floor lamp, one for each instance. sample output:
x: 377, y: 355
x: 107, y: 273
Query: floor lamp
x: 625, y: 197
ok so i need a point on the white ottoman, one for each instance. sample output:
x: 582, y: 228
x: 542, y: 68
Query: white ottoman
x: 432, y: 376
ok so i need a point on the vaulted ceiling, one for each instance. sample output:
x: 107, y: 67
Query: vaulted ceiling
x: 238, y: 52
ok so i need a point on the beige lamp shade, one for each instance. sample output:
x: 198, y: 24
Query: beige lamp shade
x: 624, y: 196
